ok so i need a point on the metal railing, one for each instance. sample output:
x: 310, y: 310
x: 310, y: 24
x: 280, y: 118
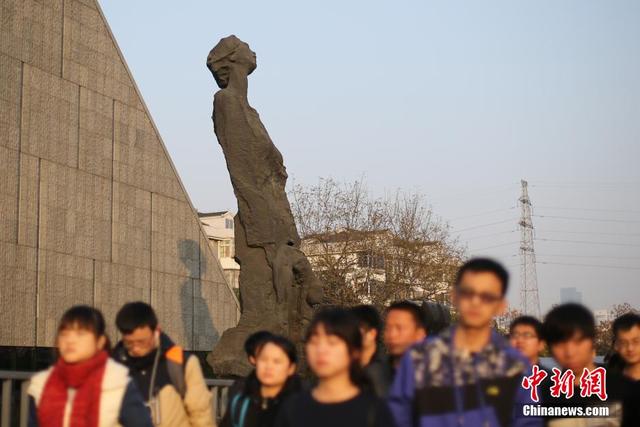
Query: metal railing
x: 220, y: 396
x: 14, y: 406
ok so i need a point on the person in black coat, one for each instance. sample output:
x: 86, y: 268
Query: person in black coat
x: 375, y: 363
x: 257, y: 403
x: 343, y: 395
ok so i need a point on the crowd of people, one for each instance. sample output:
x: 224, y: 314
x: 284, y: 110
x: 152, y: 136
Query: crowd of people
x: 362, y: 369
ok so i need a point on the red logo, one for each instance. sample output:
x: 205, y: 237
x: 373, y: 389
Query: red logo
x: 563, y: 383
x: 532, y: 382
x: 594, y: 382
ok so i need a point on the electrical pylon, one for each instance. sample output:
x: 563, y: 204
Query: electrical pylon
x: 529, y: 299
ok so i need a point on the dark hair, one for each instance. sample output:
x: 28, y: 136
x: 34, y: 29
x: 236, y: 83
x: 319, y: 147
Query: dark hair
x: 134, y: 315
x: 413, y: 309
x: 254, y: 341
x: 484, y: 265
x: 625, y: 322
x: 283, y: 343
x: 563, y: 322
x: 368, y: 317
x: 85, y: 317
x: 344, y: 325
x: 527, y: 321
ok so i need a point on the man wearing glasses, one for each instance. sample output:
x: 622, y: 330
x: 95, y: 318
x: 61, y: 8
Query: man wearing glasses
x: 525, y: 335
x: 169, y: 379
x: 626, y: 332
x: 468, y: 375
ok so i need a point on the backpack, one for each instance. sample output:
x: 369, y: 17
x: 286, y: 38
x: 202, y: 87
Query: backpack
x: 176, y: 367
x: 243, y: 402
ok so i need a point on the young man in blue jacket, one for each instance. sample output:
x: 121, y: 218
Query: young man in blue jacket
x: 468, y: 375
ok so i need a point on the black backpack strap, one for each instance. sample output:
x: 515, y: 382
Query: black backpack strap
x: 371, y: 414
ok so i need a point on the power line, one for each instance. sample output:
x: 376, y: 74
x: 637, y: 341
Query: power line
x: 494, y: 246
x: 588, y: 219
x: 589, y: 256
x: 589, y: 242
x: 482, y: 213
x: 588, y: 185
x: 485, y: 225
x: 490, y: 235
x: 617, y: 267
x: 587, y: 232
x: 478, y: 192
x: 588, y: 209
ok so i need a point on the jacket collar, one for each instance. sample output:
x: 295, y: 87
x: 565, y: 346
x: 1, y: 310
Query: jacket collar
x: 496, y: 342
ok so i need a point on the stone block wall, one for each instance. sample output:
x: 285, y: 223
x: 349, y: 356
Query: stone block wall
x: 92, y: 210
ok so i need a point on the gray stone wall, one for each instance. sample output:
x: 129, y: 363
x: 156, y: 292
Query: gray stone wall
x: 92, y: 210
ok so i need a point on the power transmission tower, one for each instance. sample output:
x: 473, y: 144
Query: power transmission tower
x: 529, y: 298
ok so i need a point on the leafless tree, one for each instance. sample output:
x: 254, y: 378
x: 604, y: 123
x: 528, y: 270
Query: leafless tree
x: 604, y: 330
x: 374, y: 249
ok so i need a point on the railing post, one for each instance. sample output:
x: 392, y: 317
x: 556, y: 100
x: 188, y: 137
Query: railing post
x: 223, y: 398
x: 24, y: 404
x: 6, y: 403
x: 214, y: 403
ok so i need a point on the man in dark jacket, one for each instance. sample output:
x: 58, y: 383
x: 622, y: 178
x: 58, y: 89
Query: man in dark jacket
x: 171, y: 381
x: 570, y: 332
x: 626, y: 335
x: 375, y: 363
x: 468, y: 375
x: 404, y: 326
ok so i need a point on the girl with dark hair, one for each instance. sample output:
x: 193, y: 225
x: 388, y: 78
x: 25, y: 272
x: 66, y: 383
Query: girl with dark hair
x: 85, y: 388
x: 273, y: 379
x: 343, y: 396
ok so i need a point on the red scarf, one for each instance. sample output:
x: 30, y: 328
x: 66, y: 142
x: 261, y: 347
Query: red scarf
x: 86, y: 378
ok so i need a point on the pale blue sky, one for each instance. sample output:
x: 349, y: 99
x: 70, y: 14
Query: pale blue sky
x: 456, y: 100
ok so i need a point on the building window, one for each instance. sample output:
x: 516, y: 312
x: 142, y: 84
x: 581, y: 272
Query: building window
x: 369, y: 260
x: 228, y: 223
x: 225, y: 249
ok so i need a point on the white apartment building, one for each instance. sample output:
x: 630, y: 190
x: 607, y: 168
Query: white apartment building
x: 375, y: 257
x: 219, y: 229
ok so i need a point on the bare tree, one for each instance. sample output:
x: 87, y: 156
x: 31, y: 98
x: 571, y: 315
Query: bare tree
x: 604, y: 329
x: 368, y: 249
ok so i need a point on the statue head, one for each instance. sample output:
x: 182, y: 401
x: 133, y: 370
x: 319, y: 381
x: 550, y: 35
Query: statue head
x: 230, y: 53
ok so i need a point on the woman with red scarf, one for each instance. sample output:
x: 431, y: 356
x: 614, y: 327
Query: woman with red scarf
x: 85, y: 388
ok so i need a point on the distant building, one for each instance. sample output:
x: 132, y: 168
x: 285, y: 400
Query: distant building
x: 570, y: 295
x: 372, y: 258
x: 602, y: 315
x: 219, y: 229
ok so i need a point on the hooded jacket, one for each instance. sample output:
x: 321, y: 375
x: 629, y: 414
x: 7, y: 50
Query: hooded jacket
x: 176, y: 393
x: 437, y: 385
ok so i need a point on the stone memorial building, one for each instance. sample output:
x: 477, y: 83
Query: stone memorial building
x: 92, y: 210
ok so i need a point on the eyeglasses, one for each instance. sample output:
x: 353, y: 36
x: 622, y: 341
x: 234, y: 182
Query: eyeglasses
x: 525, y: 335
x: 485, y: 297
x: 624, y: 344
x: 130, y: 343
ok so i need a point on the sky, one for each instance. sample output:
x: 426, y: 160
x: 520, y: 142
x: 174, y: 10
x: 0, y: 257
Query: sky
x: 456, y: 100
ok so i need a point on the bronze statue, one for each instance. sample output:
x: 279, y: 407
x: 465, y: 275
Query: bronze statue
x: 277, y: 286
